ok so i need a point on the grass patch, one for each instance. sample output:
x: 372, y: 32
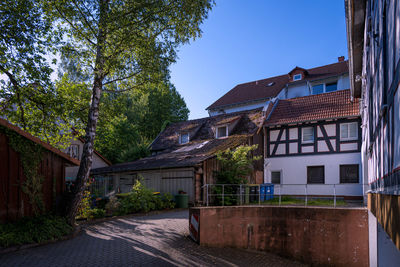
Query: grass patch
x: 33, y: 230
x: 288, y: 200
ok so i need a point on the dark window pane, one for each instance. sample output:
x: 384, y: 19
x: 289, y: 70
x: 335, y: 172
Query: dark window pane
x: 349, y: 173
x: 318, y: 89
x: 330, y: 87
x: 276, y: 177
x: 315, y: 174
x: 222, y: 131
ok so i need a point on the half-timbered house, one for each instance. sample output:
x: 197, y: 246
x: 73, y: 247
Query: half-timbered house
x: 373, y: 33
x: 312, y: 145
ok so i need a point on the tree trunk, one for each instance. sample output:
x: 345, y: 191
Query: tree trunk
x: 87, y: 153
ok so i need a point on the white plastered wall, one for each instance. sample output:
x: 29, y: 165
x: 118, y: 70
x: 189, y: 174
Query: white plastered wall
x: 294, y: 174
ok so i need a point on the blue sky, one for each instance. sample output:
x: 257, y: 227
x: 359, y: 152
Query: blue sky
x: 249, y: 40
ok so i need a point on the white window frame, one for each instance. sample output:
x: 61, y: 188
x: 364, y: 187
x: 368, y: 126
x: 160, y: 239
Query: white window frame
x: 180, y: 138
x: 297, y: 75
x: 226, y: 131
x: 348, y: 131
x: 302, y: 135
x: 324, y: 87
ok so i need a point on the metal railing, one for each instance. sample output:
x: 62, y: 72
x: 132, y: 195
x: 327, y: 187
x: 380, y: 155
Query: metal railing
x: 102, y: 186
x: 234, y: 194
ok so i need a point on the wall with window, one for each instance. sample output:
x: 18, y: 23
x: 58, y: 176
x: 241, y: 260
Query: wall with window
x: 294, y: 174
x: 318, y: 155
x: 341, y: 82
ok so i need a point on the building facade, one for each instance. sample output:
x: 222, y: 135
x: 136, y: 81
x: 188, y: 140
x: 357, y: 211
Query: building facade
x: 312, y: 146
x: 373, y: 31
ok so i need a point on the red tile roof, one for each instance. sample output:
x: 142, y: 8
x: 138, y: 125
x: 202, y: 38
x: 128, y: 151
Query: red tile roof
x: 259, y: 90
x: 313, y: 108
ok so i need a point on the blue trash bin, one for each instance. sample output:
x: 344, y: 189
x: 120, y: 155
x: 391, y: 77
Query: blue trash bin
x: 269, y: 191
x: 262, y: 192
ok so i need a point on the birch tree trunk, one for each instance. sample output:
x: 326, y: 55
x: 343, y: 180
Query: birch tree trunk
x: 87, y: 153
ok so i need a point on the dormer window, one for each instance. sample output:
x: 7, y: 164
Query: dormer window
x: 184, y: 138
x: 222, y: 131
x: 297, y: 77
x: 324, y: 88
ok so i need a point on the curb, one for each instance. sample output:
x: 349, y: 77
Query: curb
x: 106, y: 219
x: 74, y: 234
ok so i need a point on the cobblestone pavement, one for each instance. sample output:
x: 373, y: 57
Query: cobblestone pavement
x: 154, y: 240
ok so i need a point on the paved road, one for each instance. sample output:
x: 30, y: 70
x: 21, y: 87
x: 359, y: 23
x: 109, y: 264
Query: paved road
x: 155, y: 240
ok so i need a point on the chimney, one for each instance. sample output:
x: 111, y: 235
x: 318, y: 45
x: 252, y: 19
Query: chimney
x: 340, y: 59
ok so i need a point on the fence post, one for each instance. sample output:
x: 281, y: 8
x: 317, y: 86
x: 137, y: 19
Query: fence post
x: 259, y: 194
x: 280, y: 195
x: 223, y: 195
x: 305, y: 188
x: 207, y: 193
x: 334, y: 195
x: 240, y: 195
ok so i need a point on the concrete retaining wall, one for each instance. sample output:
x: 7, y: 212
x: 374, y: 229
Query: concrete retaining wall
x: 323, y: 236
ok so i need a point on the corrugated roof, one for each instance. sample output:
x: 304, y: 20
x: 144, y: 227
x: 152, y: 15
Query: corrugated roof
x: 258, y: 90
x: 313, y: 108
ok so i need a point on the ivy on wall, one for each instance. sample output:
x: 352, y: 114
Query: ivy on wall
x: 30, y: 155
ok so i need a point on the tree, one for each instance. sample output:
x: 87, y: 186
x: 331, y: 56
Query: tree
x: 235, y: 167
x: 27, y: 95
x: 129, y: 121
x: 122, y: 45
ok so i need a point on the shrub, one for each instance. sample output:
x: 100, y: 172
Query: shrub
x: 112, y: 206
x: 33, y: 230
x: 96, y: 213
x: 168, y: 201
x: 141, y: 199
x: 84, y: 206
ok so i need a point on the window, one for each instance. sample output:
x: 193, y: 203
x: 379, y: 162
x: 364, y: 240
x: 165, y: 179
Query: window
x: 73, y: 151
x: 297, y: 77
x: 317, y: 89
x: 349, y: 174
x: 330, y: 87
x: 315, y: 174
x: 222, y: 131
x: 276, y: 177
x: 324, y: 88
x: 348, y: 131
x: 184, y: 138
x: 308, y: 134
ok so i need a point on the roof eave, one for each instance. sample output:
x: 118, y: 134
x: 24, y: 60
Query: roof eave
x: 305, y: 121
x: 355, y: 23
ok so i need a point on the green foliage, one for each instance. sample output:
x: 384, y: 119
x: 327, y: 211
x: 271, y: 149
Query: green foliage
x: 96, y: 213
x: 129, y: 121
x: 27, y: 94
x: 30, y: 155
x: 236, y: 164
x: 84, y: 206
x: 141, y: 199
x: 33, y: 230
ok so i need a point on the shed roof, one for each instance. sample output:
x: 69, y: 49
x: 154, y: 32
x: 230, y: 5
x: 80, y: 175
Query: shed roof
x: 36, y: 140
x: 270, y: 87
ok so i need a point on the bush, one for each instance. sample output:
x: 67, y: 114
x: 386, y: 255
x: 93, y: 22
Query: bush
x: 33, y: 230
x: 168, y: 201
x: 140, y: 199
x: 112, y: 206
x: 96, y: 213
